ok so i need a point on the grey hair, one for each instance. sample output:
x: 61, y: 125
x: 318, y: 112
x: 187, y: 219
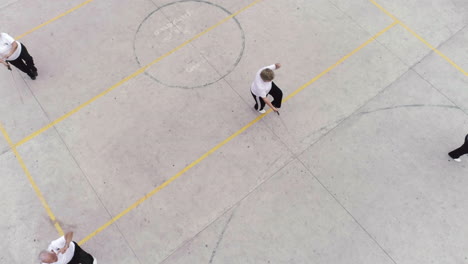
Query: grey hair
x: 43, y: 256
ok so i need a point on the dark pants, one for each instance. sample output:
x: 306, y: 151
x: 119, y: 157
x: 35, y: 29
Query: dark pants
x: 461, y: 150
x: 81, y: 256
x: 275, y: 92
x: 25, y: 62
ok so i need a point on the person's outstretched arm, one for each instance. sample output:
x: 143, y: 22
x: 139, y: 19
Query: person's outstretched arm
x: 68, y: 240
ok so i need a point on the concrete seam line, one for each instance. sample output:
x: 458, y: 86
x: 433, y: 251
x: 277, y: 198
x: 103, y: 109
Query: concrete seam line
x: 32, y: 182
x: 224, y: 142
x: 131, y: 76
x: 55, y: 18
x: 412, y: 32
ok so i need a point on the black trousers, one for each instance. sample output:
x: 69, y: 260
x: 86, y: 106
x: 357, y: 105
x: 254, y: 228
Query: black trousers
x: 275, y: 92
x: 461, y: 150
x: 24, y: 62
x: 81, y: 256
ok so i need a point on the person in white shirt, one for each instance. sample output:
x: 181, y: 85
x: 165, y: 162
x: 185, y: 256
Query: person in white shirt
x: 263, y: 86
x: 65, y: 251
x: 12, y: 51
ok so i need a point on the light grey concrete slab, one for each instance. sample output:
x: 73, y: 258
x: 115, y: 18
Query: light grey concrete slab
x: 189, y: 204
x: 207, y: 59
x: 365, y: 14
x: 388, y: 166
x: 18, y: 17
x: 85, y: 54
x: 231, y: 6
x: 20, y: 113
x: 24, y: 223
x: 404, y: 45
x: 289, y: 219
x: 435, y: 21
x: 320, y: 107
x: 65, y: 187
x: 443, y: 75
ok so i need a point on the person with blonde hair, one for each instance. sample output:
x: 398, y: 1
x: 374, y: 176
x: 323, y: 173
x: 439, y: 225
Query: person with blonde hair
x: 263, y: 86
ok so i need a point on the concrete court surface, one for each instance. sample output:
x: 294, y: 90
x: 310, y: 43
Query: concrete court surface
x: 355, y: 170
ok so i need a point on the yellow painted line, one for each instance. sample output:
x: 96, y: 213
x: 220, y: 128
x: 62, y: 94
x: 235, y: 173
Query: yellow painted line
x: 340, y: 61
x: 451, y: 62
x: 385, y: 11
x: 31, y: 180
x: 131, y: 76
x: 55, y: 18
x: 224, y: 142
x: 435, y: 50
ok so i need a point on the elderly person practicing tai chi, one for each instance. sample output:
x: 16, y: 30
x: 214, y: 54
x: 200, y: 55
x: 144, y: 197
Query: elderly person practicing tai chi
x: 263, y: 86
x: 14, y: 52
x: 65, y: 251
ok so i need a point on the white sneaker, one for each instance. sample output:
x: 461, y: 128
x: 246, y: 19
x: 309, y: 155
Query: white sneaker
x: 95, y: 260
x: 457, y: 160
x: 262, y: 111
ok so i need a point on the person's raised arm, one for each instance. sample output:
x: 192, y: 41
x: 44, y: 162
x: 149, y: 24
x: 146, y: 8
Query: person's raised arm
x: 68, y: 240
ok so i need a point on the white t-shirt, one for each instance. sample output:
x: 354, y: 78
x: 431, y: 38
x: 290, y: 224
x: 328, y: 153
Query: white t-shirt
x: 6, y: 44
x: 259, y: 86
x: 56, y: 245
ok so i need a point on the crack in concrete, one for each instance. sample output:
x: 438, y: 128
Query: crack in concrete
x: 407, y: 106
x: 220, y: 237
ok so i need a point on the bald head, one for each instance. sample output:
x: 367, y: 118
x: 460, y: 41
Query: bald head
x: 47, y: 257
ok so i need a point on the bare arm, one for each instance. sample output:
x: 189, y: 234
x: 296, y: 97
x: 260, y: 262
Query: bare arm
x: 269, y: 104
x: 14, y: 46
x: 68, y: 240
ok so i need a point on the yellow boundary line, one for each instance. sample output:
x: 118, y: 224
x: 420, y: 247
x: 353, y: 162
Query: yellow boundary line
x: 224, y: 142
x: 131, y: 76
x: 31, y: 180
x: 55, y: 18
x: 451, y: 62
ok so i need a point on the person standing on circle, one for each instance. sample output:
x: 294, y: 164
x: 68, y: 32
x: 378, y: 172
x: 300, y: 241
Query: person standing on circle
x: 12, y: 51
x: 65, y: 251
x: 263, y: 86
x: 457, y: 153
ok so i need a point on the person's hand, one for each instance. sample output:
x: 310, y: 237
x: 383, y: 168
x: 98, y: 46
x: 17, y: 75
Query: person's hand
x: 63, y: 250
x: 275, y: 109
x: 278, y: 65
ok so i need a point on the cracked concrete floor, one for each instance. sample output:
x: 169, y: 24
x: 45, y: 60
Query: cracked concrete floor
x: 170, y: 164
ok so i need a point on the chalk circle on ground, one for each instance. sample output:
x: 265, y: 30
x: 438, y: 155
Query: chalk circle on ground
x: 203, y: 61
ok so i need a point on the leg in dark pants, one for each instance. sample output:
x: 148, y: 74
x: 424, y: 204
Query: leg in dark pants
x: 460, y: 151
x: 258, y: 102
x: 81, y: 256
x: 25, y: 62
x: 277, y: 95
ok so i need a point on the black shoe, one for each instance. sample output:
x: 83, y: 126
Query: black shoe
x: 33, y: 77
x: 35, y: 73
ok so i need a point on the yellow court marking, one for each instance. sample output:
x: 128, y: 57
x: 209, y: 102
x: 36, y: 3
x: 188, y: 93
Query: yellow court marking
x: 55, y: 18
x: 224, y: 142
x: 131, y: 76
x: 31, y: 180
x: 421, y: 39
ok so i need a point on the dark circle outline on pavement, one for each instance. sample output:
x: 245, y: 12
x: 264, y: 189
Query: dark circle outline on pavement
x: 198, y: 86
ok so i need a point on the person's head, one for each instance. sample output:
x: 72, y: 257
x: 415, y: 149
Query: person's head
x: 267, y: 75
x: 47, y: 257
